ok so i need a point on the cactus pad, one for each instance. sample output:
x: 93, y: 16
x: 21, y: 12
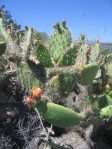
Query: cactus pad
x: 43, y: 56
x: 106, y: 112
x: 58, y: 42
x: 88, y: 73
x: 2, y: 47
x: 58, y: 115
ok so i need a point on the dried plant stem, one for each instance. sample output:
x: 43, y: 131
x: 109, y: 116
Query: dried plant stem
x: 41, y: 121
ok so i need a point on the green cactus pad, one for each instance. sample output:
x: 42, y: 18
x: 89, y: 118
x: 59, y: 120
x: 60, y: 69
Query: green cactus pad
x: 109, y: 99
x: 2, y: 47
x: 3, y: 32
x: 106, y: 112
x: 59, y: 41
x: 26, y: 77
x: 67, y: 82
x: 109, y: 72
x: 88, y: 73
x: 96, y: 49
x: 69, y: 57
x: 43, y: 56
x: 102, y: 101
x: 54, y: 81
x: 58, y: 115
x: 63, y: 83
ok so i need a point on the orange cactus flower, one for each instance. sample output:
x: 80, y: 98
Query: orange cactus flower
x: 28, y: 100
x: 36, y: 92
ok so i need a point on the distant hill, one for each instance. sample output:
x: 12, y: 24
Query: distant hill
x: 44, y: 40
x: 107, y: 46
x: 42, y: 36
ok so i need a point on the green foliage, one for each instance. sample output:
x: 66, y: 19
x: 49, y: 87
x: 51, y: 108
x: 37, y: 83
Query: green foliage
x: 109, y: 72
x: 2, y: 47
x: 95, y: 51
x: 26, y: 77
x: 88, y: 73
x: 54, y: 82
x: 64, y: 83
x: 3, y: 31
x: 102, y: 101
x: 106, y: 112
x: 25, y: 43
x: 109, y: 99
x: 81, y: 58
x: 58, y: 115
x: 69, y: 57
x: 61, y: 49
x: 67, y: 82
x: 43, y: 56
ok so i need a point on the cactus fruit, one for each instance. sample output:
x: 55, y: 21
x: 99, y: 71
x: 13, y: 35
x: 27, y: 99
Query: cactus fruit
x: 56, y: 25
x: 64, y: 23
x: 60, y: 51
x: 88, y: 73
x: 58, y: 115
x: 2, y: 47
x: 36, y: 92
x: 106, y: 112
x: 82, y: 38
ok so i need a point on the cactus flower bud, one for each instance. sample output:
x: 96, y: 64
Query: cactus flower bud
x: 28, y: 100
x: 64, y: 23
x: 36, y: 92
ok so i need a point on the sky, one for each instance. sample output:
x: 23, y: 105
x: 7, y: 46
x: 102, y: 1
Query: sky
x: 90, y: 17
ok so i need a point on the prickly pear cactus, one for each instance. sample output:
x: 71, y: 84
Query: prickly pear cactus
x: 3, y: 31
x: 109, y: 72
x: 60, y: 46
x: 88, y: 73
x: 81, y: 56
x: 95, y: 51
x: 63, y: 83
x: 106, y: 112
x: 43, y: 56
x: 26, y: 77
x: 60, y: 51
x: 67, y: 82
x: 58, y: 115
x: 2, y: 47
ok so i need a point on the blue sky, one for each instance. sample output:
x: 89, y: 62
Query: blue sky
x: 91, y: 17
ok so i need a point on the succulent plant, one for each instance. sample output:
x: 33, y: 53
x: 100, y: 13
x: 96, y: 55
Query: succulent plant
x: 58, y: 115
x: 95, y: 51
x: 26, y: 77
x: 109, y: 72
x: 3, y: 31
x: 88, y: 73
x: 106, y: 111
x: 2, y: 47
x: 61, y: 51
